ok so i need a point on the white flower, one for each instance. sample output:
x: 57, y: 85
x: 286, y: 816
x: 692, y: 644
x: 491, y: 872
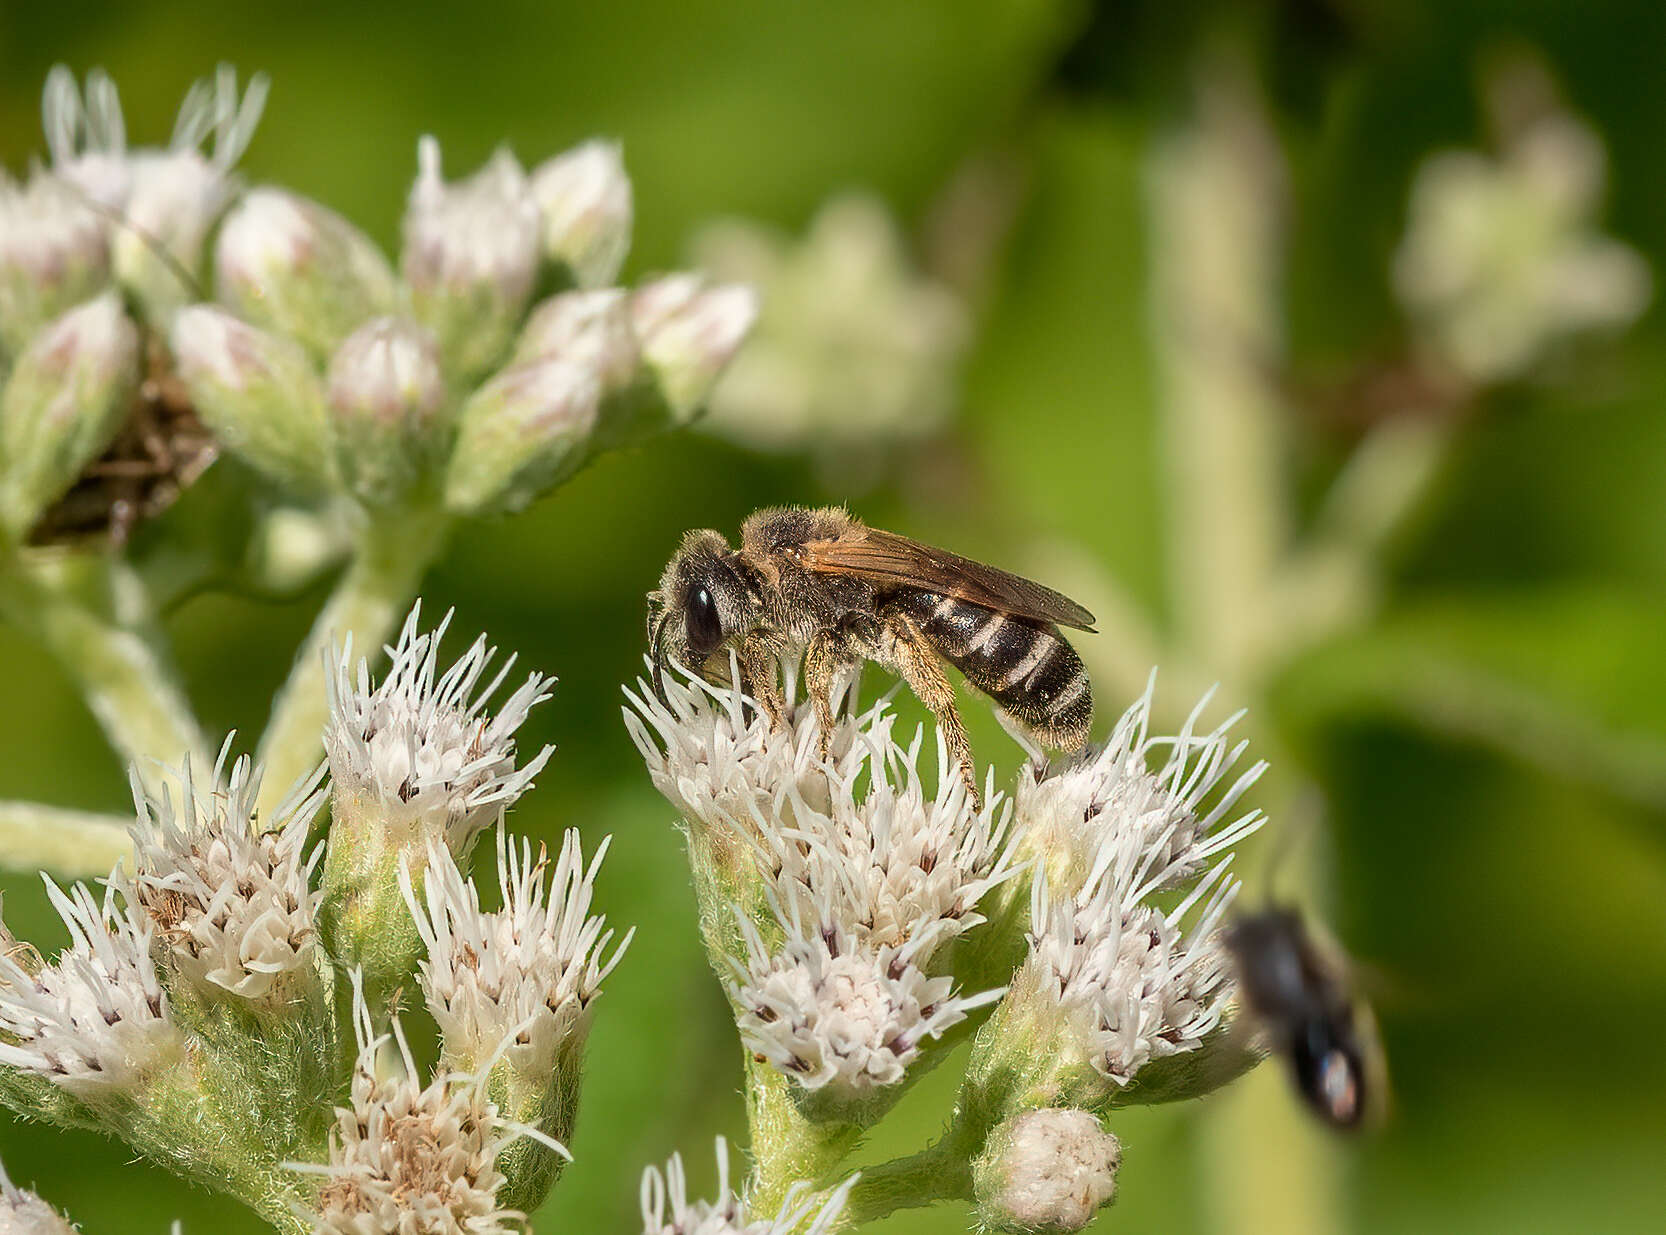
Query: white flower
x: 592, y: 330
x: 53, y: 255
x: 525, y: 975
x: 1501, y: 258
x: 1065, y: 813
x: 24, y: 1213
x: 1135, y: 983
x: 406, y: 1159
x: 1048, y: 1170
x: 229, y: 894
x: 419, y: 749
x: 666, y: 1209
x: 854, y: 347
x: 855, y: 839
x: 689, y: 331
x: 96, y: 1020
x: 584, y: 196
x: 828, y: 1010
x: 88, y: 143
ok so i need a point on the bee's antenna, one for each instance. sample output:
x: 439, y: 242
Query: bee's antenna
x: 657, y: 645
x: 149, y: 239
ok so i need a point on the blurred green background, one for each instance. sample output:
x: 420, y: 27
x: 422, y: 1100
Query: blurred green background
x: 1503, y: 866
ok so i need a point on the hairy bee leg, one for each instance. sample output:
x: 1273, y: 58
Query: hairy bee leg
x: 918, y: 664
x: 759, y: 658
x: 828, y: 653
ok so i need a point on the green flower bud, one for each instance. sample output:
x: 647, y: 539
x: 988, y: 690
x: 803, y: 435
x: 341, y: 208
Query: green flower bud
x: 471, y: 256
x: 584, y: 197
x: 387, y: 401
x: 258, y: 392
x: 522, y: 433
x: 1046, y: 1170
x: 64, y: 402
x: 52, y: 256
x: 291, y: 266
x: 158, y: 253
x: 689, y: 331
x: 590, y: 329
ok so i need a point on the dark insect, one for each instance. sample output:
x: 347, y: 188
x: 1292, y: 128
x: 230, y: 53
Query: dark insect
x: 822, y: 583
x: 155, y: 457
x: 1302, y: 1000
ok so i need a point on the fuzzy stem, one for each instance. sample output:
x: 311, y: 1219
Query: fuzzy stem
x: 92, y: 615
x: 787, y: 1147
x: 73, y: 844
x: 940, y: 1172
x: 394, y: 551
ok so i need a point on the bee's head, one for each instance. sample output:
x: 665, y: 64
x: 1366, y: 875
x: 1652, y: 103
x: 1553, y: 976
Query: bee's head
x: 702, y: 602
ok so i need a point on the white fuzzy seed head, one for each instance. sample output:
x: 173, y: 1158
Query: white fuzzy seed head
x: 228, y: 895
x: 96, y: 1020
x: 525, y: 975
x: 419, y: 750
x: 1050, y: 1170
x: 666, y: 1209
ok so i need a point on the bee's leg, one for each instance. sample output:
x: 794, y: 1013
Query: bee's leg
x: 915, y: 660
x: 828, y: 653
x: 760, y: 659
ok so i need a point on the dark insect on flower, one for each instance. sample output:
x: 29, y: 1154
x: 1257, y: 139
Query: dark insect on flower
x: 154, y: 458
x: 1301, y: 999
x: 822, y: 583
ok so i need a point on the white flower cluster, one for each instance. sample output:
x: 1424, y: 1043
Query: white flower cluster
x: 96, y: 1020
x: 866, y: 876
x: 408, y: 1157
x: 229, y: 896
x: 418, y: 748
x: 1136, y: 981
x: 519, y: 981
x: 24, y: 1213
x: 666, y: 1209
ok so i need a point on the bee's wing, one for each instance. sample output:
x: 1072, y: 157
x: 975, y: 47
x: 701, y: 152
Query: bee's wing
x: 885, y: 557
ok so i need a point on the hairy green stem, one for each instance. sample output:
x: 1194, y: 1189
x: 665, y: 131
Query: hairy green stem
x: 787, y: 1147
x: 90, y: 612
x: 940, y: 1172
x: 393, y: 553
x: 75, y: 844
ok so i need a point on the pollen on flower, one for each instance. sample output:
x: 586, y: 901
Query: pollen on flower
x: 419, y: 748
x: 828, y: 1010
x: 96, y: 1020
x: 228, y: 893
x: 1172, y: 815
x: 520, y: 981
x: 408, y: 1157
x: 667, y: 1210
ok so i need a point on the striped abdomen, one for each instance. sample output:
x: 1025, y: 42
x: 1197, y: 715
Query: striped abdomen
x: 1024, y: 665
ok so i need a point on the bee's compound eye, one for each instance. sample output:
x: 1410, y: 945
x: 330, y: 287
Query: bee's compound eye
x: 705, y: 628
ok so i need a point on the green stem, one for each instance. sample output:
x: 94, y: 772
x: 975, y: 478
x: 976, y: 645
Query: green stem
x: 394, y: 551
x: 91, y: 613
x: 71, y: 843
x: 787, y: 1147
x: 940, y: 1172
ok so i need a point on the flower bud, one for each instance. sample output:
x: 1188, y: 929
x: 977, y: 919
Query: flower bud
x: 157, y: 253
x: 257, y: 392
x: 66, y: 399
x: 589, y: 329
x: 585, y: 199
x: 291, y: 266
x: 1046, y: 1170
x: 387, y: 401
x: 689, y: 331
x: 471, y: 256
x: 52, y: 256
x: 522, y: 433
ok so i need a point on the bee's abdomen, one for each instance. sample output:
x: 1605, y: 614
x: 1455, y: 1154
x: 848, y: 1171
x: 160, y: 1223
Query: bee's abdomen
x: 1024, y: 665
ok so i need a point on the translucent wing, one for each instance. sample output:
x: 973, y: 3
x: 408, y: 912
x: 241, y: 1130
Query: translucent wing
x: 886, y: 558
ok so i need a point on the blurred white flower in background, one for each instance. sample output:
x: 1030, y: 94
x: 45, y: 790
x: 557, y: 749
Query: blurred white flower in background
x: 1502, y: 258
x: 854, y: 346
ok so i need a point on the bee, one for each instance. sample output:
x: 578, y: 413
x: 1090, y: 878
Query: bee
x: 823, y: 583
x: 1302, y: 1000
